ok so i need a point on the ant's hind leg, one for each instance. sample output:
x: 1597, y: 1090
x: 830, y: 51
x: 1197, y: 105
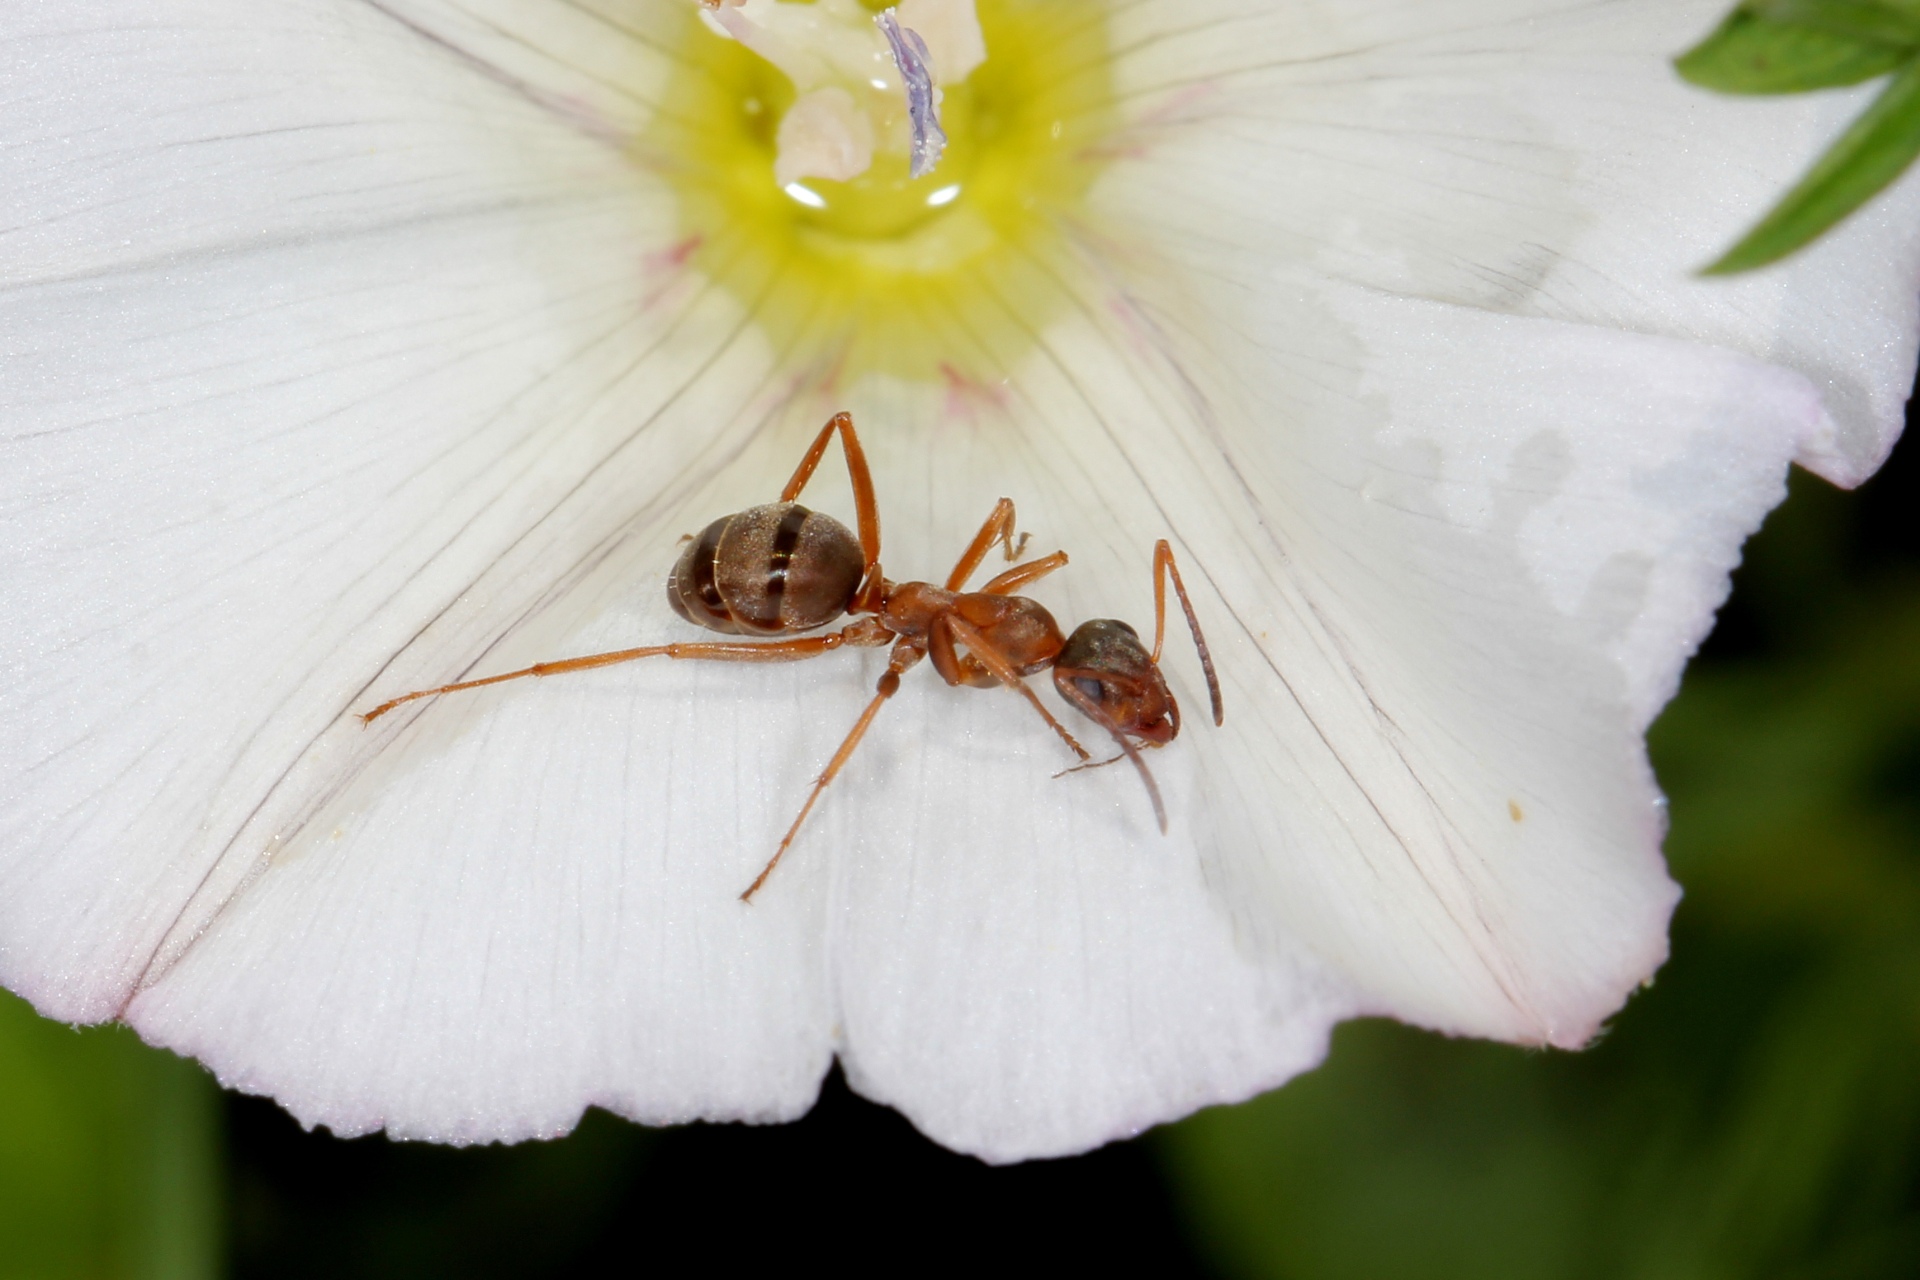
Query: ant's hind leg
x: 864, y: 632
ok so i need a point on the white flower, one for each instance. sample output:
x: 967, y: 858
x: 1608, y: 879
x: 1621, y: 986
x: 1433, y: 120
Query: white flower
x: 355, y: 347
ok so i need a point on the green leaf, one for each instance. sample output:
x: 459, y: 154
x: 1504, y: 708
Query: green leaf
x: 1873, y: 151
x: 1892, y: 22
x: 1750, y: 54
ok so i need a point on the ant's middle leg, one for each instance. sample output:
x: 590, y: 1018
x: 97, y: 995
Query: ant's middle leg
x: 905, y: 655
x: 865, y: 632
x: 866, y: 509
x: 1021, y: 575
x: 998, y: 528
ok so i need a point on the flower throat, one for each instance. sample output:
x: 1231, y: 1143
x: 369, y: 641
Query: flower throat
x: 948, y: 274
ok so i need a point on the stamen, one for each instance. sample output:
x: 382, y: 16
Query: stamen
x: 923, y: 104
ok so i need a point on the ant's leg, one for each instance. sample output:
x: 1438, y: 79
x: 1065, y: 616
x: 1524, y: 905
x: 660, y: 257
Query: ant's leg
x: 1021, y: 575
x: 1091, y: 765
x: 866, y: 510
x: 940, y: 637
x: 864, y: 632
x: 1162, y: 566
x: 998, y: 528
x: 905, y: 655
x: 1094, y: 711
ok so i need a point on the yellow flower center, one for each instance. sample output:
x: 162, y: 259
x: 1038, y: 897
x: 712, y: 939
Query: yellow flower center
x: 948, y: 274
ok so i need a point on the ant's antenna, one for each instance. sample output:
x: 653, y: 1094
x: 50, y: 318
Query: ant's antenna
x: 1098, y: 714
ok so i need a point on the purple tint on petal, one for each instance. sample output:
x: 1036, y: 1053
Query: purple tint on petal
x: 910, y: 55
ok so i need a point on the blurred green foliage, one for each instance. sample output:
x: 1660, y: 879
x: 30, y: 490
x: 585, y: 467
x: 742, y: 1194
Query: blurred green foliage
x: 1757, y: 1111
x: 109, y: 1163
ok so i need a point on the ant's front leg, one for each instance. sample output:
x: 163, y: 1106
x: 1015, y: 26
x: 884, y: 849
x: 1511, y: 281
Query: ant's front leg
x: 947, y: 629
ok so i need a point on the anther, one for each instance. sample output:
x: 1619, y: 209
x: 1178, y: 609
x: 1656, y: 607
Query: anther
x: 923, y: 102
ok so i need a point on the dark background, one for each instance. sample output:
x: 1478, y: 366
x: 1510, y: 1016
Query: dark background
x: 852, y: 1186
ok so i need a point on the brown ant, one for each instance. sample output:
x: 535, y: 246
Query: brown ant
x: 780, y: 568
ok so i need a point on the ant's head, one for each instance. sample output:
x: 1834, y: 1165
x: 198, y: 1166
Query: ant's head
x: 1104, y: 665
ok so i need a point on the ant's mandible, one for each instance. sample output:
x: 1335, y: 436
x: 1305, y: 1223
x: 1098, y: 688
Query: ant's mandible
x: 780, y: 568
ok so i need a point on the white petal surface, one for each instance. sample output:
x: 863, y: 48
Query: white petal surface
x: 149, y: 135
x: 1448, y: 623
x: 244, y: 476
x: 347, y: 355
x: 1532, y: 156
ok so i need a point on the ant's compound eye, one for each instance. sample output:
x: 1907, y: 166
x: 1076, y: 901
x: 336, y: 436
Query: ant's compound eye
x: 1095, y: 691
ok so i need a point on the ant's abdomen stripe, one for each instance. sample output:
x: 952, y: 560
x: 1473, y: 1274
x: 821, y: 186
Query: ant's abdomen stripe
x: 704, y: 583
x: 785, y: 539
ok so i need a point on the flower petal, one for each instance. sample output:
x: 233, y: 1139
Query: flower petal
x: 214, y: 126
x: 322, y: 438
x: 445, y: 367
x: 1443, y: 617
x: 1536, y: 157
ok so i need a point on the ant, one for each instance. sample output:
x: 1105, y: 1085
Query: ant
x: 780, y: 568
